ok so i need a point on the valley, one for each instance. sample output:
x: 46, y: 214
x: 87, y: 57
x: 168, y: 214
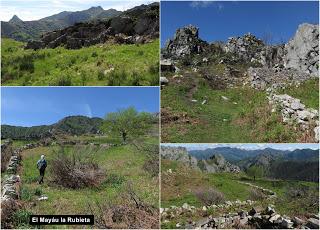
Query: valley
x: 194, y: 197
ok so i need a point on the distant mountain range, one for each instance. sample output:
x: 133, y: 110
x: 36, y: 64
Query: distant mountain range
x: 72, y: 125
x: 240, y: 156
x: 299, y: 164
x: 28, y: 30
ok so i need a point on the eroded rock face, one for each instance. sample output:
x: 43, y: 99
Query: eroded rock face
x: 247, y: 47
x: 136, y: 26
x: 302, y: 51
x: 186, y: 41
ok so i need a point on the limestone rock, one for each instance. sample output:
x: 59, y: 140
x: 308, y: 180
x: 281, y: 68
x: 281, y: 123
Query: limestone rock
x: 302, y: 51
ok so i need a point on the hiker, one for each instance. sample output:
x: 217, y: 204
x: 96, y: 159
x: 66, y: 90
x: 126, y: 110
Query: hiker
x: 41, y: 164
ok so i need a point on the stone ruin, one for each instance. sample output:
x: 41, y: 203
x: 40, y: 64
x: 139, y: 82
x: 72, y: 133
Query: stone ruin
x: 254, y: 217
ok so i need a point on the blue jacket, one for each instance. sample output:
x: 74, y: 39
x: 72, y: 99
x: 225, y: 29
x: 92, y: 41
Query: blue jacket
x: 42, y: 164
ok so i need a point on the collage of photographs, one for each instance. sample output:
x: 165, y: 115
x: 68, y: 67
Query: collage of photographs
x: 139, y: 114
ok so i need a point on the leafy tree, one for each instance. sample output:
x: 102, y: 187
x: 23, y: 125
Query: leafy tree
x: 255, y: 171
x: 127, y: 123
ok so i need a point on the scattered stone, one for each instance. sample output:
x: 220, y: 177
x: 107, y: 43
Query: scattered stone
x: 164, y: 81
x: 313, y: 223
x: 225, y: 98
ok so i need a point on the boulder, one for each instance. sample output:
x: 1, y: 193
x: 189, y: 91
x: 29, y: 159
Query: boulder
x: 313, y: 223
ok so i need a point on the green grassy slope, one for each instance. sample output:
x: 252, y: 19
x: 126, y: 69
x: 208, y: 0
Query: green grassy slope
x: 102, y: 64
x: 245, y: 117
x: 123, y: 163
x: 178, y: 188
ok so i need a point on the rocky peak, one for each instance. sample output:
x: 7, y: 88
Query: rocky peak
x: 15, y: 19
x: 302, y: 51
x: 246, y: 47
x: 179, y: 154
x: 185, y: 42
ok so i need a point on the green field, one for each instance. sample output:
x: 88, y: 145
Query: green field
x: 245, y: 116
x: 122, y: 165
x: 101, y: 65
x: 178, y: 188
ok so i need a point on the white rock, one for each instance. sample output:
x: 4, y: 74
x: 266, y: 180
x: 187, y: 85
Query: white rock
x: 225, y: 98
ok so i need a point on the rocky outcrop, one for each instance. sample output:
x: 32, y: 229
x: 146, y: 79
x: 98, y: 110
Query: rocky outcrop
x: 186, y: 41
x: 302, y: 51
x: 179, y: 154
x: 248, y: 47
x: 216, y: 163
x: 136, y: 26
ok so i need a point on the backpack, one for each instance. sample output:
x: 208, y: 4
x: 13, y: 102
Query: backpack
x: 42, y: 164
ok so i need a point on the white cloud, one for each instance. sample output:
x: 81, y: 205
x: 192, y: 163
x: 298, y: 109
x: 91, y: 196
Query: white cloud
x: 28, y: 10
x: 204, y: 4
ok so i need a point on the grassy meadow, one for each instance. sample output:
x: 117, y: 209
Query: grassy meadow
x: 100, y: 65
x: 203, y: 115
x: 122, y: 165
x: 178, y: 188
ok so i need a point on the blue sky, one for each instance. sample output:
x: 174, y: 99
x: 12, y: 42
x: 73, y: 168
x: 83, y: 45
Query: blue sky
x: 28, y: 106
x: 219, y: 20
x: 248, y: 146
x: 35, y: 9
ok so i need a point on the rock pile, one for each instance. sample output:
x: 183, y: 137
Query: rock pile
x: 263, y: 77
x: 256, y: 217
x: 186, y: 41
x: 136, y: 26
x: 294, y: 112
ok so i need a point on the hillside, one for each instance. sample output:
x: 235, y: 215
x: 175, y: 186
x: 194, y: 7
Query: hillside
x: 120, y: 51
x: 240, y: 91
x: 28, y: 30
x: 104, y: 64
x: 73, y: 125
x: 282, y: 197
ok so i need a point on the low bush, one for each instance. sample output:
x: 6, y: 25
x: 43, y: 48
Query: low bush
x: 114, y: 180
x: 21, y: 218
x: 75, y: 171
x: 256, y: 194
x: 209, y: 196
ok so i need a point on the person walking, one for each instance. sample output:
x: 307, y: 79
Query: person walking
x: 41, y: 165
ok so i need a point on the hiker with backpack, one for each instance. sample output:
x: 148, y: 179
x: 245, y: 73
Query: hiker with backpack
x: 41, y: 164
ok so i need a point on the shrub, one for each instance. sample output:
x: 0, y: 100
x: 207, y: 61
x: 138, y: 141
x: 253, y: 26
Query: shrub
x: 21, y: 218
x: 8, y: 208
x: 132, y: 213
x: 25, y: 194
x: 38, y: 192
x: 26, y: 64
x: 64, y: 81
x: 100, y: 76
x: 154, y: 68
x: 114, y: 180
x: 140, y: 52
x: 152, y: 166
x: 94, y: 54
x: 256, y: 194
x: 209, y: 196
x: 76, y: 171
